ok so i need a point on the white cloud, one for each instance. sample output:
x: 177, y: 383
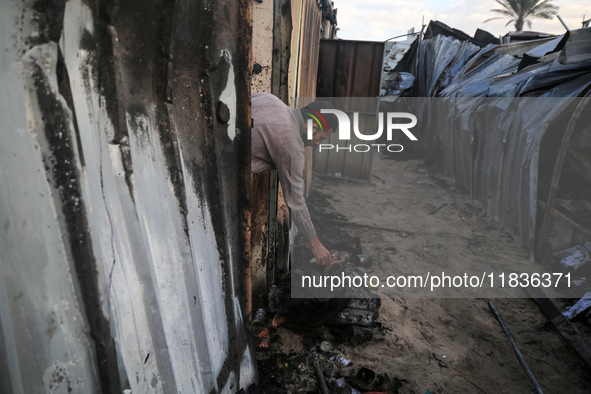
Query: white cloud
x: 378, y: 20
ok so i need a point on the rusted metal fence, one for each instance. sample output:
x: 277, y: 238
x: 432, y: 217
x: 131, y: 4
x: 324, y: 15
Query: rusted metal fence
x: 349, y: 69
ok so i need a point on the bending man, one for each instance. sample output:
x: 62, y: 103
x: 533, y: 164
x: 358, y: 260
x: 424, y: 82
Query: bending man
x: 279, y: 135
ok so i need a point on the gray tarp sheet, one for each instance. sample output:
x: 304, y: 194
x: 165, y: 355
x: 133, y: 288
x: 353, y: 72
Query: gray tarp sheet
x: 496, y: 160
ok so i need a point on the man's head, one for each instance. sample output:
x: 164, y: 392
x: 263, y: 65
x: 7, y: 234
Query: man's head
x: 323, y: 125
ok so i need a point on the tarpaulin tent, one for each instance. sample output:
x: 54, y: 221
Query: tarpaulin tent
x: 504, y: 131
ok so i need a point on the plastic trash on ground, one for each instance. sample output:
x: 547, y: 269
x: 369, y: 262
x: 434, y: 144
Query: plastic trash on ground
x: 582, y: 306
x: 575, y: 256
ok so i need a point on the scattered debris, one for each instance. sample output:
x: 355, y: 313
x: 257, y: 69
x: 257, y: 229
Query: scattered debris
x: 440, y: 360
x: 260, y: 317
x: 362, y: 260
x: 575, y: 256
x: 340, y: 359
x: 366, y: 379
x: 302, y: 368
x: 347, y: 372
x: 582, y: 307
x: 396, y: 83
x: 437, y: 209
x: 567, y: 330
x: 356, y: 335
x: 353, y: 316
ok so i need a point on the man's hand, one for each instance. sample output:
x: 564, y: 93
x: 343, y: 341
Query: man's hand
x: 320, y: 252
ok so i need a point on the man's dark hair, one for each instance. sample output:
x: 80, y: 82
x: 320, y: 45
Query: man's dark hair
x: 331, y: 120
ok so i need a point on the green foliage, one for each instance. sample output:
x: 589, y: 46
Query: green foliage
x: 523, y: 11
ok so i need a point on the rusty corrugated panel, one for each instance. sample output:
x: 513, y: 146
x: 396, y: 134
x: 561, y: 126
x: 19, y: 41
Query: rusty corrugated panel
x: 273, y: 50
x: 126, y: 198
x: 295, y: 40
x: 306, y: 67
x: 283, y: 222
x: 262, y: 45
x: 259, y: 231
x: 349, y: 69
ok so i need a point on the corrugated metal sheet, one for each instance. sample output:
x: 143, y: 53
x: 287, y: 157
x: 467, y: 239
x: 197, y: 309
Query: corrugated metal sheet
x: 309, y: 48
x: 262, y: 234
x: 288, y: 59
x: 305, y: 38
x: 349, y: 69
x: 124, y: 256
x: 311, y: 20
x: 270, y: 223
x: 262, y: 46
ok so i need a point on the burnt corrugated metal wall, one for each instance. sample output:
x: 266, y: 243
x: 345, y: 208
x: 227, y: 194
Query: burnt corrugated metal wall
x: 262, y: 234
x: 285, y: 62
x: 270, y: 225
x: 124, y: 206
x: 349, y: 69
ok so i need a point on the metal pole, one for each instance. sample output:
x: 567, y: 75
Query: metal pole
x: 563, y: 24
x: 526, y: 368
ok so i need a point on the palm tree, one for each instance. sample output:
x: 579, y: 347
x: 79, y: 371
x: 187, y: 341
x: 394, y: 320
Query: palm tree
x: 520, y: 11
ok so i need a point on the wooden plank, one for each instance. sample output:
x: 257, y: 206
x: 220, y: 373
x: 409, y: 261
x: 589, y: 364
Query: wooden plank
x: 259, y: 217
x: 272, y: 226
x: 568, y: 221
x: 564, y: 327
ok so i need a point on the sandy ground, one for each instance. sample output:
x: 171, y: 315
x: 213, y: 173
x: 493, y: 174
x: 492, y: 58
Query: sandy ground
x: 443, y: 345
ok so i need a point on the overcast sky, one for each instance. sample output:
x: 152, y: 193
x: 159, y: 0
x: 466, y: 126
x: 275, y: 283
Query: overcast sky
x: 378, y: 20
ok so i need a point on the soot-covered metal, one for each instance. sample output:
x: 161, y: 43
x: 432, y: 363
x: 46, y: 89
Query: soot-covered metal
x: 131, y: 140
